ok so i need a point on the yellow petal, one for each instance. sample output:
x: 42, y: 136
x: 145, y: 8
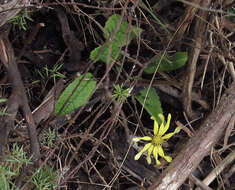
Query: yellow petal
x: 177, y: 129
x: 155, y: 155
x: 162, y: 123
x: 160, y: 151
x: 168, y: 158
x: 150, y: 150
x: 146, y: 138
x: 158, y: 162
x: 136, y: 139
x: 169, y: 135
x: 164, y: 128
x: 137, y: 156
x: 155, y: 126
x: 146, y: 147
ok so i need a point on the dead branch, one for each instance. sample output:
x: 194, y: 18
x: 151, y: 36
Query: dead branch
x: 17, y: 99
x: 10, y: 9
x: 199, y: 31
x: 200, y: 145
x: 74, y: 45
x: 186, y: 20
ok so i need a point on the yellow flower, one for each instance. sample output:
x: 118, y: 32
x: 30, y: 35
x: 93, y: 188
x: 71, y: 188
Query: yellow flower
x: 155, y: 145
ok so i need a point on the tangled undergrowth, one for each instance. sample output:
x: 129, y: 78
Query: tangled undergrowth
x: 95, y: 72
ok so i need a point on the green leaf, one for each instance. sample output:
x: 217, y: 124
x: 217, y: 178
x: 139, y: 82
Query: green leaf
x: 123, y: 37
x: 125, y: 32
x: 101, y: 53
x: 3, y: 100
x: 79, y: 97
x: 168, y: 63
x: 152, y: 104
x: 230, y: 12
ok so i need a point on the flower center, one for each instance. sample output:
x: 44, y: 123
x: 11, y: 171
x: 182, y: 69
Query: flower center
x: 157, y: 140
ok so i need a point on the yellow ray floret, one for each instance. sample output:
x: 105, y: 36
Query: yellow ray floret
x: 155, y: 143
